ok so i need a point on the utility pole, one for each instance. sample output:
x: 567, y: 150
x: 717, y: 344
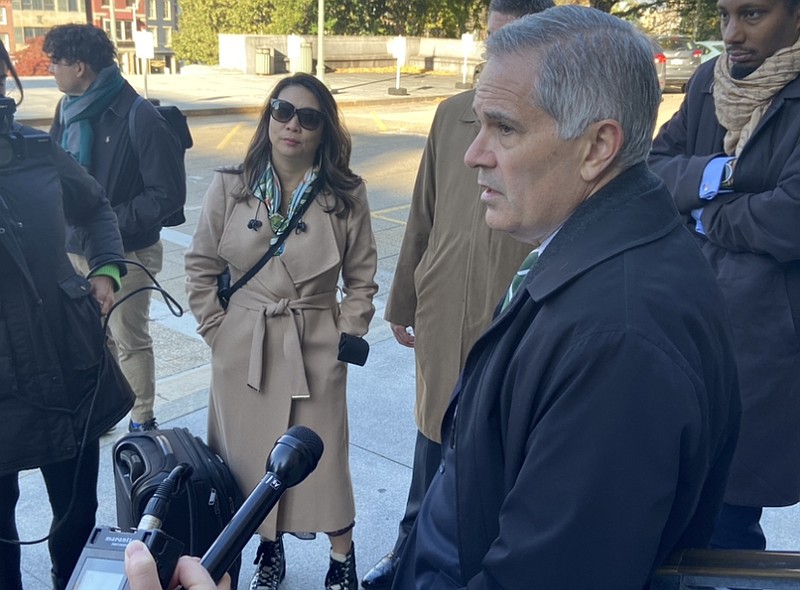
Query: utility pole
x: 320, y: 40
x: 112, y: 18
x: 134, y: 28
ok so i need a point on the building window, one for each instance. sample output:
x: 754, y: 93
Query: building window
x: 49, y: 5
x: 156, y: 40
x: 6, y: 40
x: 3, y: 17
x: 167, y: 9
x: 153, y: 10
x: 124, y: 32
x: 29, y: 33
x: 167, y: 36
x: 16, y: 5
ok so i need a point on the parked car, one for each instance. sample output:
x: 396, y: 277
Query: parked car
x: 660, y: 61
x: 683, y: 57
x: 710, y: 49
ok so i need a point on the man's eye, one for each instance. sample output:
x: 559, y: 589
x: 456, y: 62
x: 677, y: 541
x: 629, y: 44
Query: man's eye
x: 504, y: 129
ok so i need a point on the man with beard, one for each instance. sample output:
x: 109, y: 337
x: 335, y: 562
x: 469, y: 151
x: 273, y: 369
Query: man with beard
x: 731, y: 159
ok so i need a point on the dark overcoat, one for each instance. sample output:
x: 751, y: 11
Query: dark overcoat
x: 753, y: 244
x: 597, y: 415
x: 51, y: 340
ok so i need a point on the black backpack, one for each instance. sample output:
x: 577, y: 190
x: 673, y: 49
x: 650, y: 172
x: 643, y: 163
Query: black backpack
x: 177, y: 122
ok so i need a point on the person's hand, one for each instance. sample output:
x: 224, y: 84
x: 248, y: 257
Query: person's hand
x: 403, y: 334
x: 103, y: 291
x: 140, y: 568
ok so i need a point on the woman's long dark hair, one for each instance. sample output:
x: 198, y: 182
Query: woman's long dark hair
x: 6, y: 59
x: 333, y: 154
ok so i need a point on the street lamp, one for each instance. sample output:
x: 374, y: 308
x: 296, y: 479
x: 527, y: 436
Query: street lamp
x: 112, y: 19
x: 320, y: 38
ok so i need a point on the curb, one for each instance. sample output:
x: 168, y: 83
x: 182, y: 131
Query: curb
x: 256, y: 109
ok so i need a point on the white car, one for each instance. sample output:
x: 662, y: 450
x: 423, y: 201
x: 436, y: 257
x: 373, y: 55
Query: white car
x: 710, y: 49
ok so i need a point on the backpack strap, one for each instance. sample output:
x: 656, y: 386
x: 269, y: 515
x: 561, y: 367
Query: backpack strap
x: 132, y: 121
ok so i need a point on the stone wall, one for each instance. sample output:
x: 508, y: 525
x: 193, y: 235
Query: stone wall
x: 270, y: 54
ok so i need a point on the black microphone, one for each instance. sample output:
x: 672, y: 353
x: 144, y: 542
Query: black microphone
x: 293, y: 457
x: 254, y: 224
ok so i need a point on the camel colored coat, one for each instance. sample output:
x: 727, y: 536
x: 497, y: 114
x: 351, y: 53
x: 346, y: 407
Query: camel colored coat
x: 452, y: 270
x: 273, y: 353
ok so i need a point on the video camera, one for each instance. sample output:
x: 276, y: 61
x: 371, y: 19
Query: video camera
x: 22, y: 143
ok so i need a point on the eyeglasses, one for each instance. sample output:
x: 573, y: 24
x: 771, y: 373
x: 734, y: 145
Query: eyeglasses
x: 283, y: 111
x: 57, y: 61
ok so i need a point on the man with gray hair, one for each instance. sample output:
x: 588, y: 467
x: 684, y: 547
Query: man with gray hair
x: 592, y: 427
x: 451, y: 272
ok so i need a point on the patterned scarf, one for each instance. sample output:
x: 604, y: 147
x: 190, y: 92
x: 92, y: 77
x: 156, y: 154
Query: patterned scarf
x: 77, y: 113
x: 267, y: 189
x: 740, y: 104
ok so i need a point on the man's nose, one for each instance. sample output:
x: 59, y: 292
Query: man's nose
x: 474, y: 154
x: 732, y: 31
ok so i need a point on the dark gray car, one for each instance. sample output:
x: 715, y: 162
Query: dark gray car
x: 682, y: 55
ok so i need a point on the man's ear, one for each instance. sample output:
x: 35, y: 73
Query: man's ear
x: 84, y: 70
x: 603, y: 143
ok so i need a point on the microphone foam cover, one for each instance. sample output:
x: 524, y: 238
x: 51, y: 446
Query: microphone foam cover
x: 309, y: 438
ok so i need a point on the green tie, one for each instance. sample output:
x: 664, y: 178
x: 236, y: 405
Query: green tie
x: 527, y: 264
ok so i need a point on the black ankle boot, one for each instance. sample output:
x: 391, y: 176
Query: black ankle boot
x: 342, y: 574
x: 271, y: 563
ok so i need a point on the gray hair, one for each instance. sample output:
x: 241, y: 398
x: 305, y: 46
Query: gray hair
x: 519, y: 8
x: 590, y: 66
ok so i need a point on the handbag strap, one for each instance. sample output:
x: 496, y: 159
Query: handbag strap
x: 281, y: 238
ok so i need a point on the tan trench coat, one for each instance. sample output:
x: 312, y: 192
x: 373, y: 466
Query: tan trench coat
x: 452, y: 269
x: 273, y: 353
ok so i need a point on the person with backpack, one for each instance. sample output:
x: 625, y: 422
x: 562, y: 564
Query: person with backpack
x: 145, y: 180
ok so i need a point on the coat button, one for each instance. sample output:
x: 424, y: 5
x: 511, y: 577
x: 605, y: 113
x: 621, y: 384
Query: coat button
x: 19, y: 224
x: 2, y: 230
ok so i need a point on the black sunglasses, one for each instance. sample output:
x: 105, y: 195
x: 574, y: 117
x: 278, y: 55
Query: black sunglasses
x: 283, y: 111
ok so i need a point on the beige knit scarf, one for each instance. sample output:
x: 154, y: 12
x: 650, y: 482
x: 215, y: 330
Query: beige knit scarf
x: 740, y: 104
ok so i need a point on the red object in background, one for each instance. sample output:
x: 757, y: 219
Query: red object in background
x: 660, y: 58
x: 31, y: 61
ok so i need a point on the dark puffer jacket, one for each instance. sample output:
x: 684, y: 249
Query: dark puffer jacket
x: 51, y: 340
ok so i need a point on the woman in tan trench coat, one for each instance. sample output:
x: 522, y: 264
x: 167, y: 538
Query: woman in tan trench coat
x: 274, y: 351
